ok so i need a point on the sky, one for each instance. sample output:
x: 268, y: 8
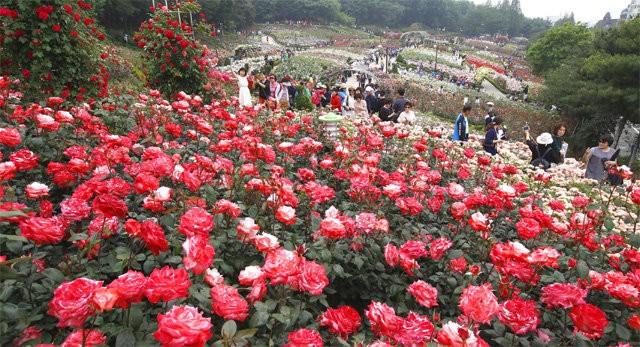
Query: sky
x: 583, y: 10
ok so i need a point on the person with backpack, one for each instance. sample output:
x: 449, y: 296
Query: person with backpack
x: 490, y: 142
x: 542, y: 152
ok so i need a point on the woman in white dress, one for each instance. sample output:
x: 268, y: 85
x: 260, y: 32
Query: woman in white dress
x: 243, y: 87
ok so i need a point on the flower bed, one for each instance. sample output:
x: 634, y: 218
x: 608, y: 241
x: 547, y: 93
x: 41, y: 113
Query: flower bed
x: 192, y: 222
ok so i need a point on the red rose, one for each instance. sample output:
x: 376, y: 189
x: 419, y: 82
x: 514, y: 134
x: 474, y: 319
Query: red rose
x: 286, y: 215
x: 519, y: 315
x: 183, y: 326
x: 391, y: 254
x: 30, y: 333
x: 106, y: 227
x: 36, y: 190
x: 634, y: 322
x: 415, y: 331
x: 312, y: 277
x: 228, y: 304
x: 74, y: 210
x: 413, y: 249
x: 116, y: 186
x: 458, y: 210
x: 438, y: 247
x: 424, y: 293
x: 24, y: 159
x: 130, y: 286
x: 104, y: 298
x: 71, y: 302
x: 479, y: 303
x: 43, y: 230
x: 383, y: 319
x: 332, y: 228
x: 154, y: 237
x: 145, y: 183
x: 563, y: 295
x: 247, y: 228
x: 458, y: 265
x: 78, y: 166
x: 265, y: 242
x: 304, y: 338
x: 479, y: 222
x: 589, y: 320
x: 88, y: 338
x: 250, y: 275
x: 199, y: 253
x: 109, y: 205
x: 10, y: 137
x: 528, y: 228
x: 280, y: 264
x: 196, y: 221
x: 167, y: 284
x: 343, y: 321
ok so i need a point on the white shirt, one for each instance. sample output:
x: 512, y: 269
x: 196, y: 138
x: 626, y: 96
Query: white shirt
x: 407, y: 117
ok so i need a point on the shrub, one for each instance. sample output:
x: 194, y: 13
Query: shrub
x: 52, y: 48
x: 303, y: 102
x: 176, y: 61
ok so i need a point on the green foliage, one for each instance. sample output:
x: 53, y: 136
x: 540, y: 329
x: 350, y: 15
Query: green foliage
x: 175, y: 60
x: 303, y: 102
x: 559, y: 44
x: 601, y: 87
x: 51, y: 46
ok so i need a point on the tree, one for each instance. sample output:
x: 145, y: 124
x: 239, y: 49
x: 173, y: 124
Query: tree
x: 559, y: 44
x: 601, y: 89
x: 607, y: 16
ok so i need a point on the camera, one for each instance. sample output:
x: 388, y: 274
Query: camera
x: 525, y: 128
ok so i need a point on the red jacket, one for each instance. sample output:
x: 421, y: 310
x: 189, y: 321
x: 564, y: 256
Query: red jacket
x: 336, y: 103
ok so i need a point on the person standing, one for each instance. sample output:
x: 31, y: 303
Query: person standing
x: 244, y: 95
x: 325, y: 99
x: 317, y: 94
x: 490, y: 144
x: 336, y: 103
x: 264, y: 88
x: 559, y: 144
x: 461, y: 129
x: 599, y: 158
x: 398, y: 105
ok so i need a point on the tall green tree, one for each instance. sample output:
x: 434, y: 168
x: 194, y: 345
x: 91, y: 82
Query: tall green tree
x: 600, y: 89
x: 560, y: 43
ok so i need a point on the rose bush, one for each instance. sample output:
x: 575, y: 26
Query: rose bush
x: 239, y: 225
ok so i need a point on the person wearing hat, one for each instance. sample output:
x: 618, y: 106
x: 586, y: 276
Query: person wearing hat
x: 370, y: 99
x: 488, y: 118
x: 542, y: 148
x: 490, y: 143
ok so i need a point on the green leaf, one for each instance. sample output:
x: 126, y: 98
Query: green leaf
x: 126, y: 338
x: 582, y: 269
x: 455, y: 254
x: 16, y: 260
x: 245, y: 334
x: 229, y: 329
x: 609, y: 224
x: 358, y: 262
x: 623, y: 333
x: 12, y: 213
x: 78, y: 237
x: 54, y: 274
x: 7, y: 273
x: 258, y: 319
x: 14, y: 238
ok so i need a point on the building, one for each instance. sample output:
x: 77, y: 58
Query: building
x: 632, y: 11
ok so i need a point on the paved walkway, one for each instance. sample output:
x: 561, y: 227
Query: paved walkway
x: 492, y: 90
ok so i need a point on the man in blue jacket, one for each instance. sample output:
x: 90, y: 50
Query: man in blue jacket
x: 461, y: 130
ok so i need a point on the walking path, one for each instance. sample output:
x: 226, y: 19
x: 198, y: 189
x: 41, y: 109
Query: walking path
x: 492, y: 90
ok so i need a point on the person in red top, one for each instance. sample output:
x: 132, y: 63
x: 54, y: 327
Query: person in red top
x: 336, y: 102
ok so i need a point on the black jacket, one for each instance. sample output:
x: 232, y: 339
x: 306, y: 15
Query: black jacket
x: 265, y: 92
x: 545, y: 152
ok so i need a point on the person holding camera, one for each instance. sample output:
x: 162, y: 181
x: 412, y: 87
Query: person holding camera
x: 491, y: 138
x: 542, y: 152
x: 599, y: 158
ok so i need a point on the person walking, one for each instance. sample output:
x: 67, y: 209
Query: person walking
x: 461, y: 129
